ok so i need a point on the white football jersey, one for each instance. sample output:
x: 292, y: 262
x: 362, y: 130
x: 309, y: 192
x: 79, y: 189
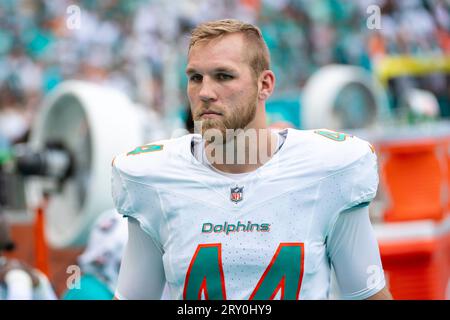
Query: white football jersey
x: 263, y: 236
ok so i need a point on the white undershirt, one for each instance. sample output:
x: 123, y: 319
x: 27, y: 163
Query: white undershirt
x: 199, y: 152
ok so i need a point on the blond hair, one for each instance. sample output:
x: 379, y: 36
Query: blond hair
x: 258, y: 53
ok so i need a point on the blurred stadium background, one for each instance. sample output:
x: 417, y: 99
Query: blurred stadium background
x: 81, y: 81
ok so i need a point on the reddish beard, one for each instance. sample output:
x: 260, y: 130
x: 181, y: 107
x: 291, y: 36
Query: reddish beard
x: 234, y: 118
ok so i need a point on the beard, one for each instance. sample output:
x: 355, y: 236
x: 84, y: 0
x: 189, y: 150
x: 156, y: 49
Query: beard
x: 232, y: 119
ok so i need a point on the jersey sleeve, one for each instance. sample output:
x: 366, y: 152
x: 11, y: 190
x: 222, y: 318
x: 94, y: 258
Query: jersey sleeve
x: 354, y: 254
x: 360, y: 180
x: 137, y: 199
x: 120, y: 194
x: 141, y: 274
x: 351, y: 243
x: 351, y: 179
x: 349, y: 167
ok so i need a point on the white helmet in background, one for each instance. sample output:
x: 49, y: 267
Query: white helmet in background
x: 105, y: 248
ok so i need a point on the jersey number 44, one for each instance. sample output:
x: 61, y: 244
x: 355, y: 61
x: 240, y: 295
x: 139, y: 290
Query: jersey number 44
x: 284, y: 273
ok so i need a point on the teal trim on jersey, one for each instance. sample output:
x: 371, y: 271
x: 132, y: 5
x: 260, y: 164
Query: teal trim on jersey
x: 336, y: 136
x: 284, y: 273
x: 146, y: 148
x: 91, y: 288
x: 362, y: 205
x: 205, y: 274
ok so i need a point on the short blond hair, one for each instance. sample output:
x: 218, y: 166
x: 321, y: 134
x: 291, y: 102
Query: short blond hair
x: 258, y: 53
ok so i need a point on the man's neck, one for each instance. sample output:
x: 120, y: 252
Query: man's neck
x: 244, y: 152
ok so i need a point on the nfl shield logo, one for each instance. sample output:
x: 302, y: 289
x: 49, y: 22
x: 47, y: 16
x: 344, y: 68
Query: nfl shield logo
x: 237, y: 194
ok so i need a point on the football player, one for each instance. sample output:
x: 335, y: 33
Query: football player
x: 18, y: 280
x: 238, y: 211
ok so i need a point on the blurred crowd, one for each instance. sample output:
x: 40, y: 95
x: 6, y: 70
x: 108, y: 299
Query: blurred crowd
x: 308, y: 35
x: 139, y: 46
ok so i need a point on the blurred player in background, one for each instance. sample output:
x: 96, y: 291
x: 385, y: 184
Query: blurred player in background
x: 100, y: 261
x: 19, y: 281
x: 271, y: 227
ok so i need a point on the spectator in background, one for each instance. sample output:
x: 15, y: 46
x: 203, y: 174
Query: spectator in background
x: 14, y: 124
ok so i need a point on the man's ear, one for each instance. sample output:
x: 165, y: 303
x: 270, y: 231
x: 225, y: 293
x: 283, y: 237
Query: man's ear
x: 266, y: 84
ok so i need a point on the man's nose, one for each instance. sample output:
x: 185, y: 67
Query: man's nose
x: 207, y: 92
